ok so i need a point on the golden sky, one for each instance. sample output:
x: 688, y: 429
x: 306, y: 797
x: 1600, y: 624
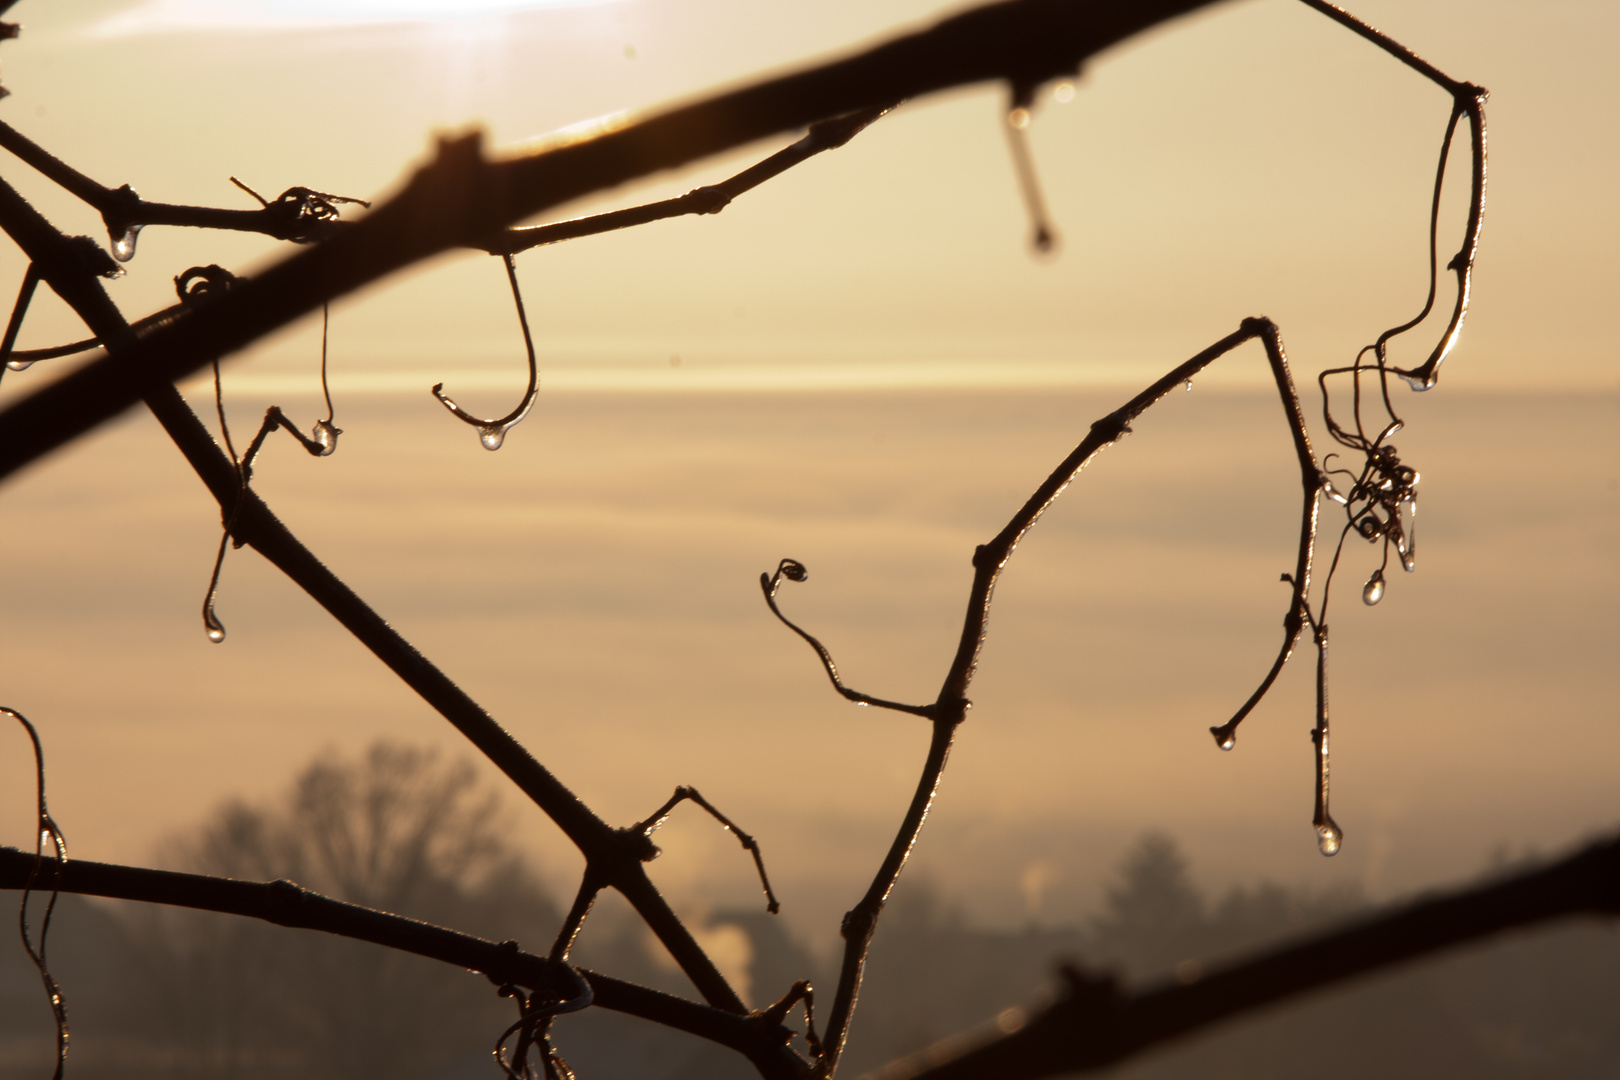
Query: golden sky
x: 873, y: 373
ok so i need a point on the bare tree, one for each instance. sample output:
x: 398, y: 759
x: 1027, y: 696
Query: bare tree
x: 464, y: 198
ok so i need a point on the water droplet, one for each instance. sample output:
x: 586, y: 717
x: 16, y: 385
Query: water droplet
x: 216, y: 633
x: 325, y: 436
x: 1373, y: 591
x: 1408, y: 560
x: 1228, y: 742
x: 1189, y: 386
x: 492, y: 436
x: 123, y: 247
x: 1063, y: 92
x: 19, y: 365
x: 1018, y: 118
x: 1418, y: 384
x: 1225, y: 737
x: 1329, y: 837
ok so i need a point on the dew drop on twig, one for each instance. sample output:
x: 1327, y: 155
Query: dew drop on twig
x: 19, y: 365
x: 123, y: 246
x: 491, y: 436
x: 1373, y: 591
x: 1329, y: 837
x: 325, y: 436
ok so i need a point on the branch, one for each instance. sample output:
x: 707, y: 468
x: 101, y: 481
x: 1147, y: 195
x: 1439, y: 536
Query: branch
x: 287, y: 904
x: 1094, y: 1026
x: 708, y: 199
x: 462, y: 199
x: 299, y: 214
x: 616, y: 855
x: 950, y: 708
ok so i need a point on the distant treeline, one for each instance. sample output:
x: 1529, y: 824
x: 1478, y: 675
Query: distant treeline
x: 178, y: 995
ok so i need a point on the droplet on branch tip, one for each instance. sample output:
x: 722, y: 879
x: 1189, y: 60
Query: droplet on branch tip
x: 1373, y: 591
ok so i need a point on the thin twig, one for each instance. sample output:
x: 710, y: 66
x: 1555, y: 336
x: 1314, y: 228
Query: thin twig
x: 793, y: 570
x: 299, y: 214
x: 19, y: 310
x: 46, y: 831
x: 951, y: 706
x: 750, y: 845
x: 708, y: 199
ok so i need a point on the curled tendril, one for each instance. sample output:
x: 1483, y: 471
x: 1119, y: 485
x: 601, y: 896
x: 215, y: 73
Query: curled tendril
x: 303, y: 214
x: 492, y: 433
x: 535, y: 1011
x: 200, y: 283
x: 793, y: 570
x: 46, y: 832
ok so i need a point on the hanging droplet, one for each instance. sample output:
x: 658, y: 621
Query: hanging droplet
x: 1063, y: 92
x: 1409, y: 546
x: 492, y: 436
x: 1018, y: 118
x: 1228, y: 742
x: 1225, y: 737
x: 216, y: 632
x: 1417, y: 384
x: 325, y: 436
x: 123, y: 246
x: 1373, y: 591
x: 19, y: 365
x: 1189, y: 386
x: 1329, y: 837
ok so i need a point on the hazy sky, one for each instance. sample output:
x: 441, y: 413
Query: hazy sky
x: 877, y: 373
